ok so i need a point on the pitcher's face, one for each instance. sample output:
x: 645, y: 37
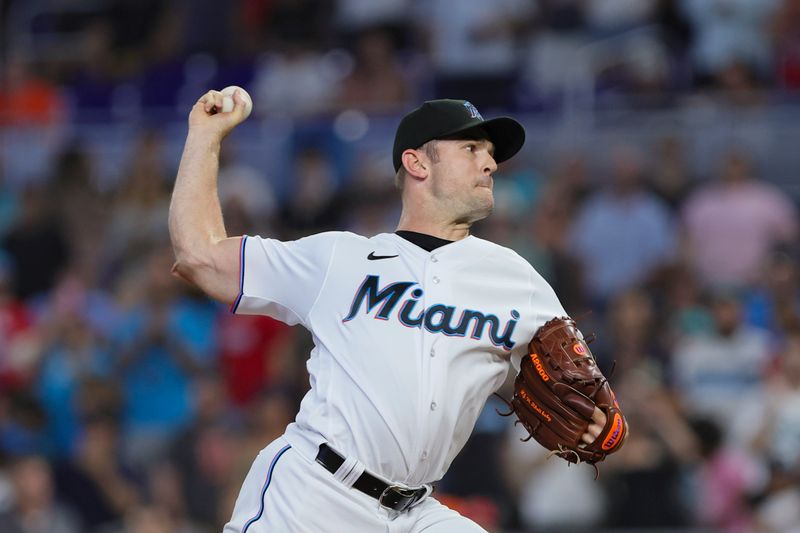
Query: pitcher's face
x: 462, y: 178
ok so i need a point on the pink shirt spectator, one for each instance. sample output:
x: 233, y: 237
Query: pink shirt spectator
x: 723, y: 485
x: 731, y: 229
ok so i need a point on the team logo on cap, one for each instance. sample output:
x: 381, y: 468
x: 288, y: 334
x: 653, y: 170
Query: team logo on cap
x: 473, y: 111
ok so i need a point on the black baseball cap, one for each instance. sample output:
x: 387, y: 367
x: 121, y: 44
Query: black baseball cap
x: 437, y: 119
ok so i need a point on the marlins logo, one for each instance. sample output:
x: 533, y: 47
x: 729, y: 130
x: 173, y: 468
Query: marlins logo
x: 438, y: 318
x: 473, y: 111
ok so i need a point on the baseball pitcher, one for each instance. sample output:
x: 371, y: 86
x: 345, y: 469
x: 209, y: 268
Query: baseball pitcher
x: 413, y: 330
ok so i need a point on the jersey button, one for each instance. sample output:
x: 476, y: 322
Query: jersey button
x: 433, y: 352
x: 435, y: 279
x: 424, y: 455
x: 434, y: 259
x: 433, y: 406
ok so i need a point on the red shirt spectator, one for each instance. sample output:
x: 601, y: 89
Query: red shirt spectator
x: 250, y: 354
x: 26, y: 98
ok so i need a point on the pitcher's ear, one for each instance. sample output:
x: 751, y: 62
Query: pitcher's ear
x: 414, y: 163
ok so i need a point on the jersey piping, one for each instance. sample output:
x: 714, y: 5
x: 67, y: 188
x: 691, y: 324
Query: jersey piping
x: 238, y: 299
x: 265, y: 487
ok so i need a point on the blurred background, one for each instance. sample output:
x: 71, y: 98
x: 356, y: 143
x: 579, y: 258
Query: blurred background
x: 657, y: 193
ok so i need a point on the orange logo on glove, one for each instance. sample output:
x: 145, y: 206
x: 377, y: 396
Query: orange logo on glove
x: 535, y: 407
x: 579, y: 348
x: 539, y: 368
x: 613, y: 438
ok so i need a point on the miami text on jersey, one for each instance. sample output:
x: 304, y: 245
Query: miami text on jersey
x: 437, y: 318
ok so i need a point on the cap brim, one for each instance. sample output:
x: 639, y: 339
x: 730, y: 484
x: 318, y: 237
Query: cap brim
x: 506, y: 134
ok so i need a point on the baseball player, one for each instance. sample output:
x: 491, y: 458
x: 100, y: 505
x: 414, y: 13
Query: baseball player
x: 413, y: 330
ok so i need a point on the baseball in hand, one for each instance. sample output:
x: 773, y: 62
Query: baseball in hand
x: 227, y: 101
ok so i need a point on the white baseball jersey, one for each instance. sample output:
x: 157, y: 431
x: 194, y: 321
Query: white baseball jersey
x: 408, y: 343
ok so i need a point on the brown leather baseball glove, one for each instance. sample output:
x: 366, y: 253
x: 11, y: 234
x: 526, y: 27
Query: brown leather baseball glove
x: 556, y: 391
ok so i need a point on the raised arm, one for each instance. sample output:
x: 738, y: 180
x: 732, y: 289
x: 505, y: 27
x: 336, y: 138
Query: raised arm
x: 204, y: 254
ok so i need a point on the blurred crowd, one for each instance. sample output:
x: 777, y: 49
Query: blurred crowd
x: 116, y: 57
x: 130, y: 403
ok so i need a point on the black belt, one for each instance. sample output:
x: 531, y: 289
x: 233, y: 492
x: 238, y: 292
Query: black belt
x: 391, y: 496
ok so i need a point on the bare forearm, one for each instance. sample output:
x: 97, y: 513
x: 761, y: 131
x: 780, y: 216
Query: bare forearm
x: 203, y: 254
x: 195, y: 215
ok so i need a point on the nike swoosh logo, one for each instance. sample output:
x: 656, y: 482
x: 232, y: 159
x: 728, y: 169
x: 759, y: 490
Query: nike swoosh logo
x: 373, y: 257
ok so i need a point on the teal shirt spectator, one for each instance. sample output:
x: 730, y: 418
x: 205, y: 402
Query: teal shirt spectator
x: 9, y: 208
x: 59, y: 383
x: 161, y: 350
x: 620, y: 240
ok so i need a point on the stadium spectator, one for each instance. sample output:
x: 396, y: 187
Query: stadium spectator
x: 778, y: 505
x: 728, y: 31
x: 786, y: 43
x: 355, y: 16
x: 293, y: 76
x: 543, y: 489
x: 644, y: 484
x: 369, y: 196
x: 97, y: 484
x: 550, y: 495
x: 723, y: 366
x: 203, y: 453
x: 378, y: 82
x: 685, y: 313
x: 22, y: 424
x: 73, y: 353
x: 296, y: 82
x: 739, y: 86
x: 252, y: 355
x: 36, y: 245
x: 28, y: 98
x: 632, y: 341
x: 161, y: 343
x: 472, y: 48
x: 18, y: 336
x: 622, y: 233
x: 545, y: 243
x: 81, y: 208
x: 139, y: 203
x: 671, y: 177
x: 725, y: 478
x: 608, y: 17
x: 166, y: 503
x: 92, y: 83
x: 733, y: 223
x: 247, y: 195
x: 36, y: 510
x: 552, y: 38
x: 777, y: 435
x: 295, y: 23
x: 774, y: 303
x: 9, y: 199
x: 313, y: 202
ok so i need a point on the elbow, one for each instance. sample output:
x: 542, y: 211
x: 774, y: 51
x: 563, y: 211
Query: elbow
x: 188, y: 266
x: 207, y: 274
x: 181, y: 271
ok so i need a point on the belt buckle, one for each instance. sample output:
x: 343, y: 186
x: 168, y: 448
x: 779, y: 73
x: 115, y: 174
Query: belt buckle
x: 399, y: 498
